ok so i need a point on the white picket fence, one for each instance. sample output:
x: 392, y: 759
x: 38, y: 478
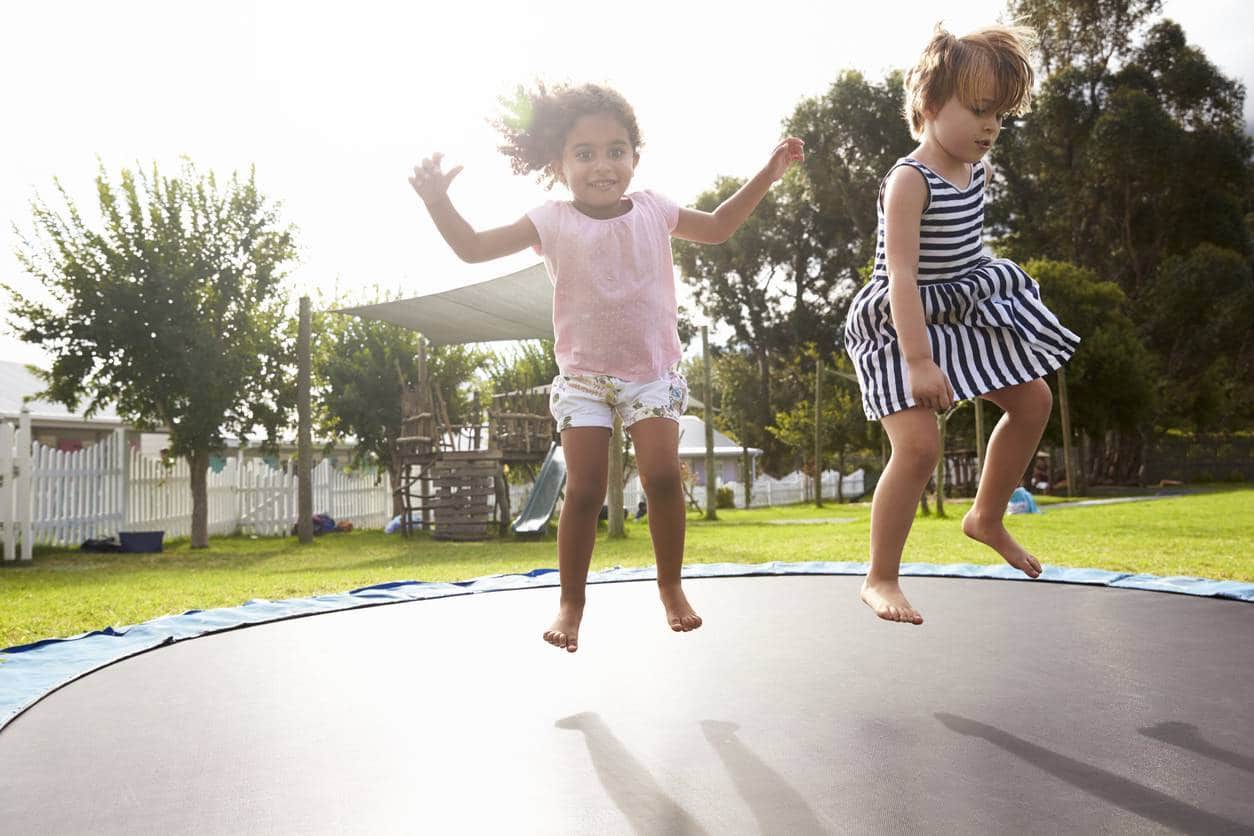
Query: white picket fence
x: 52, y: 497
x: 795, y: 487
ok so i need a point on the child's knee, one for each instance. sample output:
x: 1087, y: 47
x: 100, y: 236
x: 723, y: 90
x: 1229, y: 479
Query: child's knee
x: 919, y: 453
x: 1037, y: 401
x: 584, y: 500
x: 661, y: 483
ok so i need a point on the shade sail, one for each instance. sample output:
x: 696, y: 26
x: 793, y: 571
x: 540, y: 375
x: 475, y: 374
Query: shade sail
x: 516, y: 306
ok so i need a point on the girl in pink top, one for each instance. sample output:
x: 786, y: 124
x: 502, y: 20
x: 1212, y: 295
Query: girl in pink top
x: 615, y: 319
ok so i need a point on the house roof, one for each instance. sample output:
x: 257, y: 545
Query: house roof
x: 17, y: 383
x: 692, y: 440
x: 516, y: 306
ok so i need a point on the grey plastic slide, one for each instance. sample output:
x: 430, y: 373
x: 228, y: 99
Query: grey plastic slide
x: 535, y: 516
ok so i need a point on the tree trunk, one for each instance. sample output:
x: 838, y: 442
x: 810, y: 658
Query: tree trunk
x: 615, y: 492
x: 747, y: 463
x: 818, y: 435
x: 1084, y: 473
x: 199, y: 464
x: 764, y: 375
x: 398, y: 503
x: 711, y: 486
x: 304, y: 428
x: 840, y: 476
x: 1064, y: 412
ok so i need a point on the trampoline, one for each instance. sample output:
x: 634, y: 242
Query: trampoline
x: 1025, y: 707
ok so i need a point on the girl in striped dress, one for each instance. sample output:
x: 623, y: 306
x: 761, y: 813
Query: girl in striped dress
x: 941, y: 321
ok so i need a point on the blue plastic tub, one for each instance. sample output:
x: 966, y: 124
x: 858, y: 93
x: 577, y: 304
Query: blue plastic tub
x: 141, y: 541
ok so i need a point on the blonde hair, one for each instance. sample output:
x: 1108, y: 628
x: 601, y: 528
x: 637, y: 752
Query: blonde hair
x: 962, y: 67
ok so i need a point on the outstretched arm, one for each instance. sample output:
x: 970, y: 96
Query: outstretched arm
x: 905, y: 197
x: 432, y: 184
x: 717, y: 226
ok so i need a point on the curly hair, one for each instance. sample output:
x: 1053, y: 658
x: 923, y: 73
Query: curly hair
x: 962, y: 66
x: 535, y: 124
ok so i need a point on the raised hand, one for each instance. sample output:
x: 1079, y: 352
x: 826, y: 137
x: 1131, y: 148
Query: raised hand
x: 430, y: 182
x: 791, y: 150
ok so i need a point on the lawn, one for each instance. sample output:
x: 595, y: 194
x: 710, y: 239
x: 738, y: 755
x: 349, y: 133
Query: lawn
x: 62, y: 593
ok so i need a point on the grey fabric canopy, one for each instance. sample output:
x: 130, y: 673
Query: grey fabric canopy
x: 517, y: 306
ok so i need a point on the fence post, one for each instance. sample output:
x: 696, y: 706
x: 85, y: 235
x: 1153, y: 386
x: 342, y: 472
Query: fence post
x: 22, y: 484
x: 122, y: 460
x: 331, y: 476
x: 7, y: 492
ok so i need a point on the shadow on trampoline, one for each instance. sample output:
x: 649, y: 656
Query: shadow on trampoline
x: 1135, y: 798
x: 1186, y: 736
x: 776, y: 804
x: 630, y: 786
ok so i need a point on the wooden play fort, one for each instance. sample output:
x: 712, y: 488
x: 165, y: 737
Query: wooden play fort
x: 451, y: 476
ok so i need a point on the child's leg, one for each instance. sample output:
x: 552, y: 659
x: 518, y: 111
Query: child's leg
x: 1010, y: 449
x: 916, y: 445
x: 656, y: 441
x: 587, y: 460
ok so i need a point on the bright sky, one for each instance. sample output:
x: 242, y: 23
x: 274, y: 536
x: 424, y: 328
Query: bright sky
x: 334, y: 107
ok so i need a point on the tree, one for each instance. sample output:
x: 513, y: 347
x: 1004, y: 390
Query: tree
x: 853, y: 134
x: 785, y: 278
x: 735, y: 379
x: 1088, y: 34
x: 173, y: 310
x: 844, y: 425
x: 1135, y: 165
x: 1116, y: 171
x: 1110, y: 379
x: 361, y: 367
x: 1196, y: 318
x: 733, y: 283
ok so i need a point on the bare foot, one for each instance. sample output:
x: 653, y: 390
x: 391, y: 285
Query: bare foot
x: 565, y: 629
x: 993, y: 533
x: 888, y: 601
x: 679, y: 613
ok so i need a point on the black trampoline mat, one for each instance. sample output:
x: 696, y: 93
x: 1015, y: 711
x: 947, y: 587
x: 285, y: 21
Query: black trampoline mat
x: 1018, y: 707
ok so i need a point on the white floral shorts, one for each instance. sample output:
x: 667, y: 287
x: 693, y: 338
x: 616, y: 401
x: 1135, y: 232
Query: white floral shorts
x: 592, y: 400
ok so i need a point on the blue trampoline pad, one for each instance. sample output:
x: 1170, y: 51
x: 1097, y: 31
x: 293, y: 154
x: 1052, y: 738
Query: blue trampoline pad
x: 1018, y: 707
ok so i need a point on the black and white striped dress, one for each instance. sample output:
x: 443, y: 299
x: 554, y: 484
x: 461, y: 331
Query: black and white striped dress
x: 984, y: 316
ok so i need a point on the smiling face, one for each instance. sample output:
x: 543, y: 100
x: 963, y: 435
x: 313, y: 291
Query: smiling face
x: 966, y: 131
x: 597, y: 164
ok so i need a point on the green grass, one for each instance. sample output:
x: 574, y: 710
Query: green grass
x: 62, y: 593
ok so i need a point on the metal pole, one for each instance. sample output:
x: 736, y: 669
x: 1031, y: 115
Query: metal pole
x: 711, y: 489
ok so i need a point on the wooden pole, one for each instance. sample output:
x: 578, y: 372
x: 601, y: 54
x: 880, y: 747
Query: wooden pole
x: 426, y: 404
x: 1064, y: 410
x: 941, y: 422
x: 979, y: 438
x: 615, y: 497
x: 304, y: 429
x: 711, y: 489
x: 818, y: 434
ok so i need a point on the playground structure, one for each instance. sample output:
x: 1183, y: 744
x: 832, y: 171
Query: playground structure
x: 452, y: 477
